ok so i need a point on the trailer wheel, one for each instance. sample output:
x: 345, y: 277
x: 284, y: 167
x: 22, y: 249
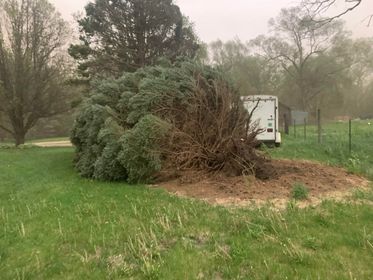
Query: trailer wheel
x: 277, y: 145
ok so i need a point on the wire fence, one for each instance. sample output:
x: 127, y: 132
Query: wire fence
x: 346, y: 134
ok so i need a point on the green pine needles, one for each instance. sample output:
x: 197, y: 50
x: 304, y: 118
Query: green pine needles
x: 182, y: 115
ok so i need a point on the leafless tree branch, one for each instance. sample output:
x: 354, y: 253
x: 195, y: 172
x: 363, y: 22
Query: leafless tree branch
x: 6, y: 129
x: 319, y: 7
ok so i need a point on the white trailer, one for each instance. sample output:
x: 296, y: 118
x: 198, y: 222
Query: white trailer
x: 264, y: 109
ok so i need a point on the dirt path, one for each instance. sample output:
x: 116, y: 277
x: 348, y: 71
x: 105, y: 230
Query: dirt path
x: 51, y: 144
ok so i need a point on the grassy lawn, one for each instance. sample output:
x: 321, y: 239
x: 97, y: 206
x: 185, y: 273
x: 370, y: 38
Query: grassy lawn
x: 55, y: 225
x: 334, y: 149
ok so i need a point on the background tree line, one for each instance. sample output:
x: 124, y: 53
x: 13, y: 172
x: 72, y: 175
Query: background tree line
x: 309, y: 64
x: 307, y: 60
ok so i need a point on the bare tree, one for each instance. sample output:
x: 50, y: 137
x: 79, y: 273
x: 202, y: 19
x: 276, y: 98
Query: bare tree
x: 253, y: 75
x: 297, y: 39
x: 32, y: 35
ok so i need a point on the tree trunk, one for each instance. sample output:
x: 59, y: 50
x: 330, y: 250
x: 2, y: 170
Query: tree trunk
x: 19, y: 138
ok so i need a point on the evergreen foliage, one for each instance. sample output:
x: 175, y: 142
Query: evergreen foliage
x: 140, y: 148
x: 183, y: 115
x: 125, y: 35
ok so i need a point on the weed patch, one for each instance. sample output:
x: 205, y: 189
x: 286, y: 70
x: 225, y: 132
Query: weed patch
x: 299, y: 191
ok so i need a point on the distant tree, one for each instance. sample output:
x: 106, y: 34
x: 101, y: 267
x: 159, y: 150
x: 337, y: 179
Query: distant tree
x: 124, y: 35
x: 32, y: 77
x: 361, y: 60
x: 327, y: 80
x: 252, y: 75
x: 297, y: 39
x: 366, y: 108
x: 226, y: 54
x: 357, y: 55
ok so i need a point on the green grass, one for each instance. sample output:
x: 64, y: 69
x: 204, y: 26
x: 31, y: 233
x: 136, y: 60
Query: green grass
x: 334, y: 149
x: 299, y: 191
x: 56, y: 225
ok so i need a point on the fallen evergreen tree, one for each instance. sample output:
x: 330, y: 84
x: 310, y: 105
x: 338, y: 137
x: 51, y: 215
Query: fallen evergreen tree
x: 184, y: 116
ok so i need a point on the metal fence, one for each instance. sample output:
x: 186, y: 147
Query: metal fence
x: 321, y: 131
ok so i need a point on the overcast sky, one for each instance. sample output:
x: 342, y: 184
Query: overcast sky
x: 228, y: 19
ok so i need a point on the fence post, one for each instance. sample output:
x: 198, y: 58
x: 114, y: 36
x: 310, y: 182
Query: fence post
x: 286, y: 120
x: 305, y: 129
x: 350, y: 135
x: 319, y: 125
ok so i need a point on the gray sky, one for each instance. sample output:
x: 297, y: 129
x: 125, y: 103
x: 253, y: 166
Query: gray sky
x: 221, y: 19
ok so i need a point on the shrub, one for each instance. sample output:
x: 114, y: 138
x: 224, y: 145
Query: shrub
x: 7, y: 146
x: 20, y: 147
x: 300, y: 192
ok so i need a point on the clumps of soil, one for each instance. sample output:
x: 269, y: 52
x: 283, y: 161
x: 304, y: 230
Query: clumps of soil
x: 321, y: 180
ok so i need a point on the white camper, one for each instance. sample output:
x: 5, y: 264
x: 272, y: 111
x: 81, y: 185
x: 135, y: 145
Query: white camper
x: 264, y: 110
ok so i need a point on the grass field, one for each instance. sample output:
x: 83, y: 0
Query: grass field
x: 56, y: 225
x: 334, y: 149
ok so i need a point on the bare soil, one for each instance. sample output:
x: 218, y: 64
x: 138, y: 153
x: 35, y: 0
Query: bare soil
x: 322, y: 181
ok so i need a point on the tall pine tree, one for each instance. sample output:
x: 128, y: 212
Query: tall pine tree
x: 124, y: 35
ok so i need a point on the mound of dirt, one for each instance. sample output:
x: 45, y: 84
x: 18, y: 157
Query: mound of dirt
x: 321, y: 180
